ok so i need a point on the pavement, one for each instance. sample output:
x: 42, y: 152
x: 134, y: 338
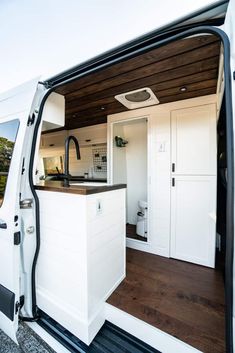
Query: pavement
x: 29, y: 342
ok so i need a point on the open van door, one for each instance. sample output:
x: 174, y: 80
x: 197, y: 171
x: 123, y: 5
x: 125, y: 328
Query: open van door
x: 229, y: 28
x: 15, y: 109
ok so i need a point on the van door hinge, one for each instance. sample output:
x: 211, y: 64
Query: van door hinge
x: 17, y: 238
x: 19, y: 304
x: 31, y: 119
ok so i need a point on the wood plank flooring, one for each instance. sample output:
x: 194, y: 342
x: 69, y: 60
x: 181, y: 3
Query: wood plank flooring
x: 182, y: 299
x: 131, y: 232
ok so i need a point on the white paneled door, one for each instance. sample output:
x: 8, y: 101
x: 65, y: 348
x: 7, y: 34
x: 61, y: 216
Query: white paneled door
x: 193, y: 226
x: 194, y: 140
x: 193, y: 191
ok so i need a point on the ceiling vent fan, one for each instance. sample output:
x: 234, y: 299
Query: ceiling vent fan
x: 139, y: 98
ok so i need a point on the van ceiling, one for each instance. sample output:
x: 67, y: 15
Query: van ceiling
x: 192, y: 63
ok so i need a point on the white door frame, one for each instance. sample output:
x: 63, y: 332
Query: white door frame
x: 131, y: 243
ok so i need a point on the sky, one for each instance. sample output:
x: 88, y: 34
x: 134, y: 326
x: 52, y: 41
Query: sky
x: 45, y: 37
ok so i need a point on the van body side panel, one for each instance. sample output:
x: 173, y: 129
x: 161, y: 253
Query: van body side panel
x: 14, y: 132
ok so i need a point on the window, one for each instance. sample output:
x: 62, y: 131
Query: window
x: 8, y: 133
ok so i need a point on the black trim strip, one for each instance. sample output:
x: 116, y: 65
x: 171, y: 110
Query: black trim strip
x: 105, y: 62
x: 7, y: 302
x: 110, y: 338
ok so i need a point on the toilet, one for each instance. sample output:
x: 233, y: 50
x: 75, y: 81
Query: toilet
x: 141, y: 226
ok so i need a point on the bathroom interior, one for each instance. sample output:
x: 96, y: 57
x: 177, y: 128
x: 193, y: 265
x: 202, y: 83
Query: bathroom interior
x: 168, y: 147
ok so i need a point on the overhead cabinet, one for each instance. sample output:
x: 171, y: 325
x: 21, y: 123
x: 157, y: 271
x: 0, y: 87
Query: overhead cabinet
x: 54, y: 139
x: 87, y: 136
x: 91, y: 135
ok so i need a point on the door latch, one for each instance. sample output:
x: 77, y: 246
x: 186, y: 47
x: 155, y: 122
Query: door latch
x: 17, y: 238
x: 19, y: 305
x: 3, y: 225
x: 27, y: 203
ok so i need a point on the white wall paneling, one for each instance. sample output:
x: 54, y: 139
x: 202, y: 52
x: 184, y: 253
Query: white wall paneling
x: 82, y: 257
x: 194, y: 123
x: 130, y: 163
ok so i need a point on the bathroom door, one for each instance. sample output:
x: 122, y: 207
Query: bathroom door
x: 193, y: 190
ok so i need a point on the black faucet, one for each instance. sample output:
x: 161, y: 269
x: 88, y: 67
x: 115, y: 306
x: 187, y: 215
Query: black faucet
x: 66, y: 159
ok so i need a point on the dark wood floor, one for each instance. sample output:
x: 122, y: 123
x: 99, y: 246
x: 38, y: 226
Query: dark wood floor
x: 131, y: 232
x: 182, y: 299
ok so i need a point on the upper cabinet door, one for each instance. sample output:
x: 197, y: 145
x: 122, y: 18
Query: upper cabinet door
x: 14, y: 132
x: 194, y: 140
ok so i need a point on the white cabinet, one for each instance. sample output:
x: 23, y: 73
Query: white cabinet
x: 91, y: 135
x: 53, y: 116
x: 82, y: 257
x: 193, y: 192
x: 87, y: 136
x: 54, y: 139
x: 193, y: 227
x: 194, y: 140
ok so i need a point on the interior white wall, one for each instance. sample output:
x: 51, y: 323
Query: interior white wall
x: 130, y: 164
x: 159, y: 168
x: 85, y: 164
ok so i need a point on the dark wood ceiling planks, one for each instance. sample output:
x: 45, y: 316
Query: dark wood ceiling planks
x: 192, y: 63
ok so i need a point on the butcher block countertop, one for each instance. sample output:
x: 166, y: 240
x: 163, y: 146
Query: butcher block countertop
x: 80, y: 189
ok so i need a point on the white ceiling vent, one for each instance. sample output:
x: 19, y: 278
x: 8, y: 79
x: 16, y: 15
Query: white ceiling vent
x: 139, y: 98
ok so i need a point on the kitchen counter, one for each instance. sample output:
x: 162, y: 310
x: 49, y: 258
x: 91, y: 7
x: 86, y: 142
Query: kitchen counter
x: 56, y: 186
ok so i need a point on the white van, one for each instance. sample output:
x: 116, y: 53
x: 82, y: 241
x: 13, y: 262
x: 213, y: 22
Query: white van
x: 117, y: 195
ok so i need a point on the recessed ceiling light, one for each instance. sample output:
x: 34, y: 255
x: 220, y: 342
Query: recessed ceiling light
x: 183, y: 89
x: 102, y: 108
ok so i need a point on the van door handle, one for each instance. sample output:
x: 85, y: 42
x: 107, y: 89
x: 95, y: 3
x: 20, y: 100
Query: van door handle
x: 3, y: 225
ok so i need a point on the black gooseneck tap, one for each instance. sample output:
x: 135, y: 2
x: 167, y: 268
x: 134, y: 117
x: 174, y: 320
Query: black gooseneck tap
x: 66, y: 159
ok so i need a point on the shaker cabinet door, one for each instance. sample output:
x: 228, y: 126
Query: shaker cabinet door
x: 193, y: 223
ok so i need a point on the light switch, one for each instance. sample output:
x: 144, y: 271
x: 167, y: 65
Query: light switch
x: 161, y: 146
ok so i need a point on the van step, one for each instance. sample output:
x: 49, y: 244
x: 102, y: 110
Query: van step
x: 110, y: 339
